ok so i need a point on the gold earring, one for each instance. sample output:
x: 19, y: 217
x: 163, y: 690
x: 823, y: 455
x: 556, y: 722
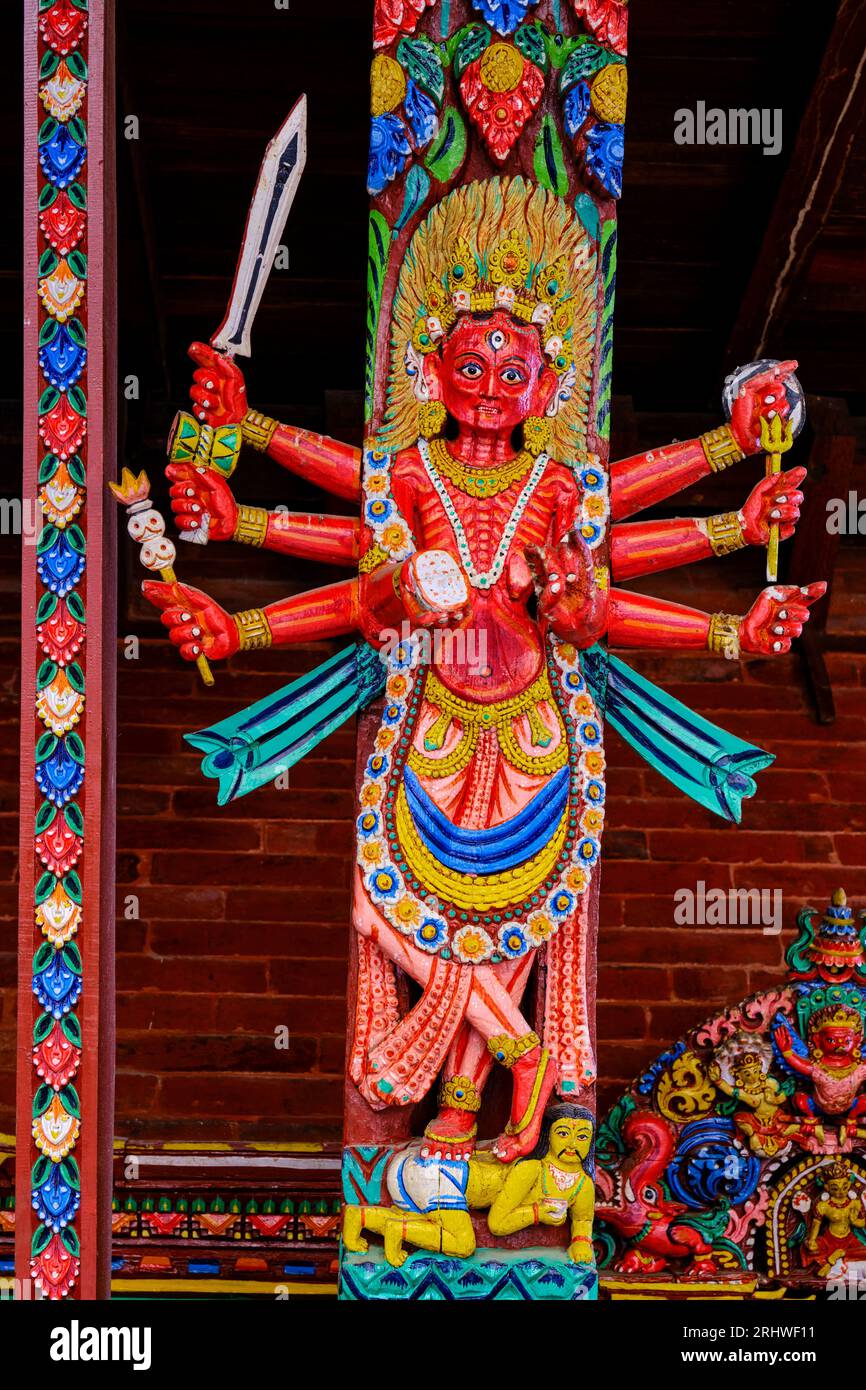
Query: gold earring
x: 537, y: 434
x: 431, y: 418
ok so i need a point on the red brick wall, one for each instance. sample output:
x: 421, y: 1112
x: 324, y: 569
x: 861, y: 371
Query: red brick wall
x: 243, y: 922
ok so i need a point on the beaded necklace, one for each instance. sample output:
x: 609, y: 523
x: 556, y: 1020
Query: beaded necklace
x: 489, y: 577
x: 472, y: 481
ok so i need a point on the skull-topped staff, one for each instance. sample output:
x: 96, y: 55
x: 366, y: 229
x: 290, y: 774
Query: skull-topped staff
x: 146, y: 526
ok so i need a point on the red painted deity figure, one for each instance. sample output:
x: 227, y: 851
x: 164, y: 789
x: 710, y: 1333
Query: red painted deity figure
x: 483, y: 516
x: 833, y: 1062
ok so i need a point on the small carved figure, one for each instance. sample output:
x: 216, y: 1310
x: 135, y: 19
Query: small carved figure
x: 832, y: 1062
x: 837, y: 1217
x: 764, y: 1127
x: 433, y: 1198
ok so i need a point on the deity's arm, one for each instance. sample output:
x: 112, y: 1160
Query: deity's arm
x: 773, y: 621
x: 513, y: 1211
x: 644, y: 479
x: 581, y: 1214
x: 307, y: 535
x: 327, y: 463
x: 642, y: 547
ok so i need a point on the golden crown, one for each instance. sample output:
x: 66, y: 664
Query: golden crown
x: 506, y: 280
x: 835, y: 1016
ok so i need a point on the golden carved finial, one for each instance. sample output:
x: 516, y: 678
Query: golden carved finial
x: 840, y: 898
x: 131, y: 489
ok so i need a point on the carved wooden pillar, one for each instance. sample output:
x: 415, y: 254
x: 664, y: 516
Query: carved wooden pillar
x: 65, y: 1098
x: 495, y: 163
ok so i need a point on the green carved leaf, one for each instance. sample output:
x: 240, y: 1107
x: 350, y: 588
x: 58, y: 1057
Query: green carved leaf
x: 422, y: 60
x: 548, y: 161
x: 448, y: 150
x: 467, y: 45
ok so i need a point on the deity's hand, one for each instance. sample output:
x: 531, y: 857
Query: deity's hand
x: 775, y: 499
x: 196, y: 624
x: 777, y: 617
x: 551, y: 1211
x: 219, y: 394
x: 569, y: 599
x: 580, y: 1251
x: 714, y: 1072
x: 782, y: 1038
x: 763, y: 394
x: 434, y: 589
x: 198, y: 492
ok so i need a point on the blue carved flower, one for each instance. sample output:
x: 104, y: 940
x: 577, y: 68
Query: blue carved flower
x: 586, y: 850
x: 512, y: 941
x: 605, y: 147
x: 420, y: 113
x: 432, y: 934
x: 377, y: 765
x: 368, y: 824
x: 589, y: 733
x: 378, y: 510
x: 561, y: 904
x: 576, y: 108
x: 393, y: 713
x: 503, y: 15
x: 574, y: 683
x: 389, y: 151
x: 590, y: 531
x: 592, y: 478
x: 594, y: 792
x: 384, y: 883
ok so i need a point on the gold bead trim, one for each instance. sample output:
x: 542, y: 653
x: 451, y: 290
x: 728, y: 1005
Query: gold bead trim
x: 258, y: 430
x: 252, y: 526
x: 254, y: 629
x: 721, y: 448
x: 508, y: 1050
x: 724, y: 635
x: 476, y: 482
x: 460, y: 1093
x: 725, y: 533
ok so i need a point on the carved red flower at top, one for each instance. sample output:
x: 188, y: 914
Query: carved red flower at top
x: 62, y: 26
x: 500, y: 91
x: 607, y: 20
x: 393, y: 17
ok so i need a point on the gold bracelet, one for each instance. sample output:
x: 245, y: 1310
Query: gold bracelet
x: 725, y: 533
x: 721, y: 448
x: 258, y: 430
x: 252, y: 526
x: 254, y: 630
x: 508, y: 1050
x: 724, y: 635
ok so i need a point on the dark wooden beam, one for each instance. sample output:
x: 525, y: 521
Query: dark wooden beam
x: 814, y: 174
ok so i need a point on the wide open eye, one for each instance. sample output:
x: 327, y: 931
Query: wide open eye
x: 513, y: 376
x: 471, y: 370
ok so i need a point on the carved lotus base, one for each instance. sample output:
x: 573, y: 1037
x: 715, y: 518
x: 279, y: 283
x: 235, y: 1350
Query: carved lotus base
x: 529, y: 1276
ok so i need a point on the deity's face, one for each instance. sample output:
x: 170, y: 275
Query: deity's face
x: 570, y: 1140
x: 837, y: 1042
x: 838, y: 1188
x: 492, y: 373
x: 748, y: 1075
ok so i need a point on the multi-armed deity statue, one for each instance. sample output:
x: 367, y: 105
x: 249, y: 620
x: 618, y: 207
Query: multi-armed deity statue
x: 486, y: 502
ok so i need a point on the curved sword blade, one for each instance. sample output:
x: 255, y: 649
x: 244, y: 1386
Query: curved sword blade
x: 276, y: 186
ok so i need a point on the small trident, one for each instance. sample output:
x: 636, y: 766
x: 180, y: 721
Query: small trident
x: 777, y: 436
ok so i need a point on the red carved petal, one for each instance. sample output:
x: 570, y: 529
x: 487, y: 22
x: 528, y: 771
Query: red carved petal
x: 62, y: 430
x: 61, y: 636
x: 56, y: 1059
x: 501, y: 116
x: 55, y: 1270
x: 59, y: 849
x: 63, y: 26
x: 607, y: 20
x: 393, y: 17
x: 63, y: 224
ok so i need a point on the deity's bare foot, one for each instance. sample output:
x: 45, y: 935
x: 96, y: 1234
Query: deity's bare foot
x: 353, y: 1221
x: 534, y: 1077
x: 394, y: 1252
x: 450, y: 1135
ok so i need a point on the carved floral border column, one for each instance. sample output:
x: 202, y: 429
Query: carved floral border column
x: 65, y: 1095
